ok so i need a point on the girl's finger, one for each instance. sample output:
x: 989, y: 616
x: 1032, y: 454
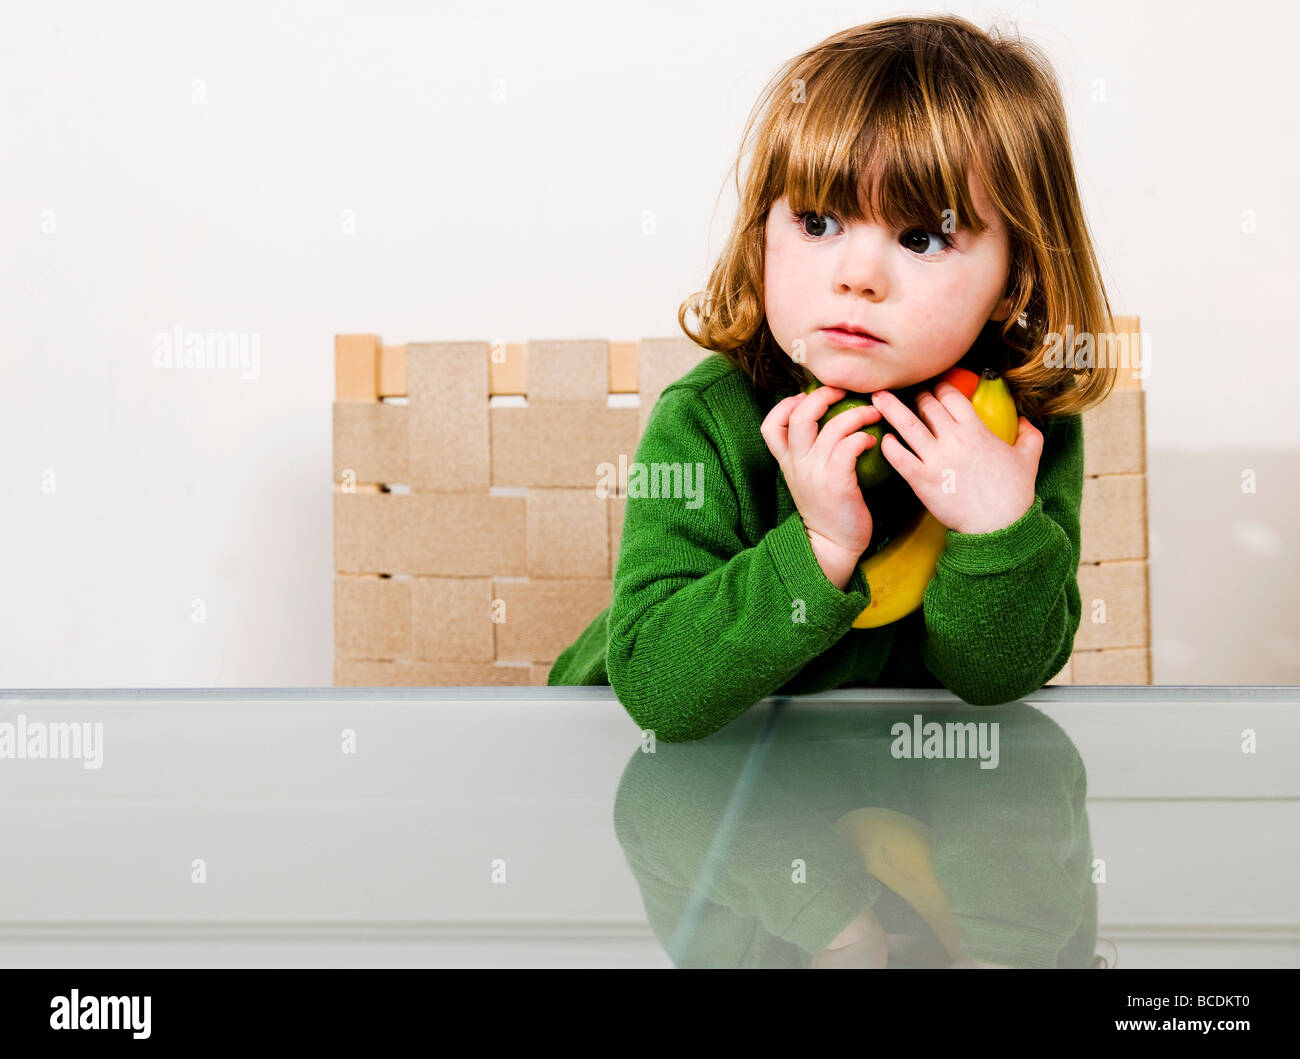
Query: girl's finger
x: 956, y: 402
x: 844, y: 424
x: 904, y: 462
x: 806, y: 416
x: 933, y: 412
x: 844, y: 458
x: 1028, y: 437
x: 902, y: 419
x: 774, y: 427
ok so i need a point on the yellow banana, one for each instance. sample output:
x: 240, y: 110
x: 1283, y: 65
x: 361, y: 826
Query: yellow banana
x: 898, y: 574
x: 898, y: 850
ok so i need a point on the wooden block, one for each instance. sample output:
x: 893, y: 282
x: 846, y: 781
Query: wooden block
x: 1115, y: 608
x: 662, y: 361
x: 617, y: 509
x: 451, y: 619
x: 537, y: 675
x: 442, y: 535
x: 623, y: 373
x: 1114, y: 434
x: 559, y: 445
x: 349, y: 672
x: 1116, y: 665
x: 392, y: 371
x: 356, y: 367
x: 1113, y: 518
x: 568, y: 371
x: 542, y: 618
x: 568, y: 534
x: 1127, y: 352
x: 372, y: 617
x: 370, y: 440
x: 448, y: 416
x: 508, y: 368
x: 1064, y: 677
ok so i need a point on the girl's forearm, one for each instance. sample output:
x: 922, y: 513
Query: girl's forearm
x: 689, y: 653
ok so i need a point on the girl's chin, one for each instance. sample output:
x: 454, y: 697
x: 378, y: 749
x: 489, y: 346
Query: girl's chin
x: 859, y: 385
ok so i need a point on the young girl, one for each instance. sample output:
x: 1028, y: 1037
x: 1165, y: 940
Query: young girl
x: 911, y: 179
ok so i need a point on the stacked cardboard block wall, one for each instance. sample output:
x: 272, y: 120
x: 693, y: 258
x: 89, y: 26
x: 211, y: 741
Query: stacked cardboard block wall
x: 471, y: 542
x: 1113, y: 644
x: 472, y: 545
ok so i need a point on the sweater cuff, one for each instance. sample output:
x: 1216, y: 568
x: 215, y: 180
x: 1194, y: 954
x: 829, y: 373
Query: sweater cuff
x: 1002, y: 549
x: 832, y: 910
x: 1019, y: 947
x: 825, y: 606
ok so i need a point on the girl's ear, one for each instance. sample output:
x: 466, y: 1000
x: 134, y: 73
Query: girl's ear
x: 1002, y: 310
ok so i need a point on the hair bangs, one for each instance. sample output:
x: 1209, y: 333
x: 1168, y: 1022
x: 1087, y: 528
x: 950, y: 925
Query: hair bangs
x: 886, y: 153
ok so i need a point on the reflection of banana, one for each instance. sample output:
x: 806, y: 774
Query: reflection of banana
x: 897, y: 849
x: 897, y: 575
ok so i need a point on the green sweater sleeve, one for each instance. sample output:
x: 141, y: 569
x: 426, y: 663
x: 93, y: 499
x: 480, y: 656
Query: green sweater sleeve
x: 1003, y: 607
x: 703, y: 623
x: 711, y: 830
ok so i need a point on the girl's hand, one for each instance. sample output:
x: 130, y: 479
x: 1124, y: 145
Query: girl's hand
x: 820, y: 470
x: 862, y: 943
x: 991, y: 484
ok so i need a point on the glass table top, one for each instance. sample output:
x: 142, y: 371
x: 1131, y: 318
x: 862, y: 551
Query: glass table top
x: 1080, y: 826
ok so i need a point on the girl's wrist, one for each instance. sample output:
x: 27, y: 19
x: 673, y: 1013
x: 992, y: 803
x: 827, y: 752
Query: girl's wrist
x: 994, y: 524
x: 836, y: 562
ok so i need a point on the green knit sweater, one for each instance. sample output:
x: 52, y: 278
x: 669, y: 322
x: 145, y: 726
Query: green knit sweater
x: 718, y: 600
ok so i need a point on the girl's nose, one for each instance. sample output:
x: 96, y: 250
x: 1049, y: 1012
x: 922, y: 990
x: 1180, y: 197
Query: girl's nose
x: 862, y: 267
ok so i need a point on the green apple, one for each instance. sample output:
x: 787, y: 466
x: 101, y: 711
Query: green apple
x: 873, y: 469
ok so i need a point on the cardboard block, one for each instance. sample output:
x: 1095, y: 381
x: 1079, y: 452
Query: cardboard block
x: 542, y: 618
x: 392, y: 371
x: 1115, y: 608
x: 349, y: 672
x: 568, y: 534
x: 1113, y: 518
x: 356, y: 367
x: 1130, y: 326
x: 507, y: 368
x: 623, y: 368
x: 537, y: 675
x: 442, y: 535
x: 372, y: 617
x: 451, y: 619
x: 448, y: 416
x: 662, y: 361
x: 371, y: 441
x: 568, y: 371
x: 1116, y: 665
x: 1114, y: 434
x: 557, y: 445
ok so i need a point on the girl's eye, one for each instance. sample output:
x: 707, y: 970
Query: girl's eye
x: 918, y: 240
x: 910, y: 241
x: 819, y: 220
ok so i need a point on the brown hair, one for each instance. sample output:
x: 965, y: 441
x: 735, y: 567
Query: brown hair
x: 900, y: 112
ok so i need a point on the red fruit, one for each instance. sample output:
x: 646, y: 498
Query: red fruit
x: 963, y: 378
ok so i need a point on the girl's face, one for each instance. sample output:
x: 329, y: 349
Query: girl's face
x: 925, y: 300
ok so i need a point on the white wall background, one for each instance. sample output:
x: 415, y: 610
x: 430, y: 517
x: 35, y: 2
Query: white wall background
x: 175, y: 164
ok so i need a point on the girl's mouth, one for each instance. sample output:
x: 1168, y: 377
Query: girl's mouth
x: 852, y: 339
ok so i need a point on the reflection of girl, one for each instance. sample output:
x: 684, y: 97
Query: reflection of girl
x: 911, y: 178
x: 733, y: 844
